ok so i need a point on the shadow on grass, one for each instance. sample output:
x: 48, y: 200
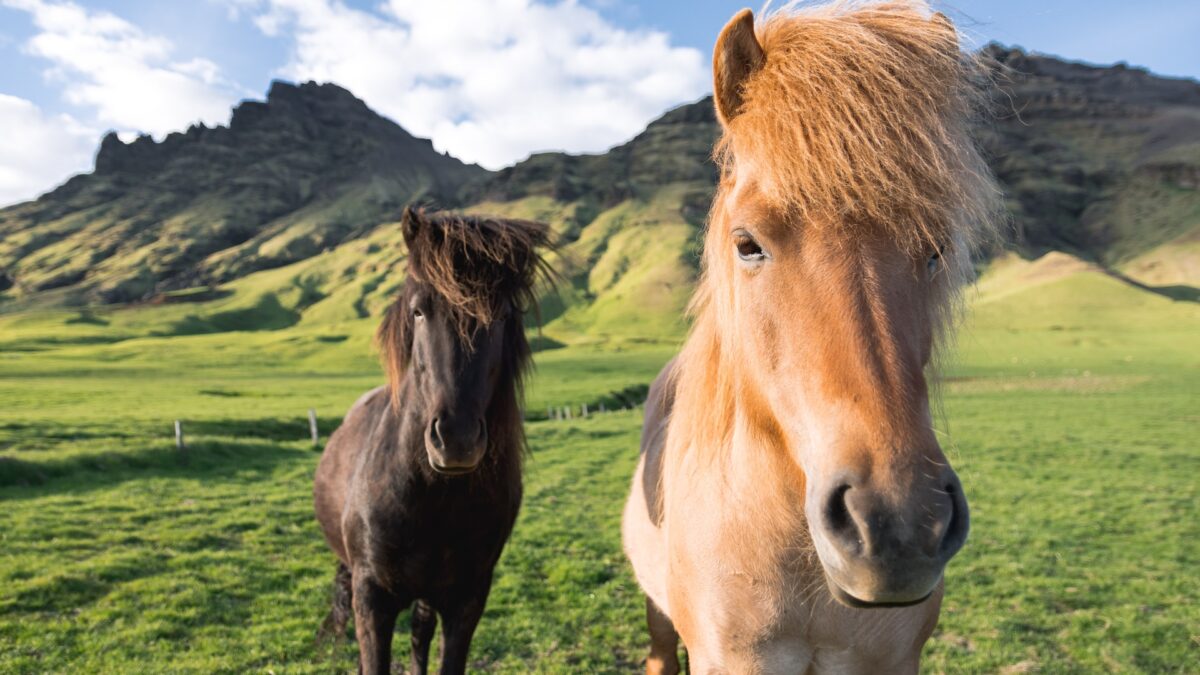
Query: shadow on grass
x: 57, y: 432
x: 85, y: 316
x: 1178, y: 292
x: 69, y: 590
x: 94, y: 470
x: 271, y: 428
x: 266, y: 314
x: 619, y: 399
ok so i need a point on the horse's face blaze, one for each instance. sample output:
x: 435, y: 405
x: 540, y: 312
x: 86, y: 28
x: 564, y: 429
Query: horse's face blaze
x: 836, y: 326
x: 457, y: 375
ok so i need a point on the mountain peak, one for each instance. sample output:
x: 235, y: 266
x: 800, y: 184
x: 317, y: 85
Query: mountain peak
x: 280, y: 90
x: 301, y: 171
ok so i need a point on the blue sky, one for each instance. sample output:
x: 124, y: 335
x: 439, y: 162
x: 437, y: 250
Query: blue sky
x: 591, y: 72
x: 1162, y: 35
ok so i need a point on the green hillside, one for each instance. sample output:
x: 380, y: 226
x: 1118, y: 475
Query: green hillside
x: 1084, y: 314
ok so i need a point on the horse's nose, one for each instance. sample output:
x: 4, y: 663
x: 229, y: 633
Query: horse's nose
x: 863, y: 525
x: 456, y: 446
x: 464, y: 434
x: 890, y: 547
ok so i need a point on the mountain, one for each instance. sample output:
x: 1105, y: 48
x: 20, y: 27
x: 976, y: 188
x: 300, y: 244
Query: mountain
x: 1103, y: 163
x: 307, y: 169
x: 631, y: 219
x: 291, y: 205
x: 675, y: 148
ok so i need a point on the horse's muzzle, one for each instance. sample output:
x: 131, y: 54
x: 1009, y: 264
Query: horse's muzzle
x: 455, y: 448
x: 880, y: 550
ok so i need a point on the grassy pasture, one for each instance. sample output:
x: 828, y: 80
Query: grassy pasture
x: 1070, y: 415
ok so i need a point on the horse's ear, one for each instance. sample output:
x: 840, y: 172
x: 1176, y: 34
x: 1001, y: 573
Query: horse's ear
x: 410, y: 224
x: 736, y: 57
x: 946, y: 26
x: 944, y: 22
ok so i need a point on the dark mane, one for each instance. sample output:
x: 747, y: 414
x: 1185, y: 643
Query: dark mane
x: 479, y: 267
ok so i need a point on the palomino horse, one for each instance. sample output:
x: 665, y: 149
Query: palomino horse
x: 418, y: 489
x: 792, y: 511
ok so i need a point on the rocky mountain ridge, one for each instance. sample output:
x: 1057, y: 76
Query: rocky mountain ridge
x: 302, y: 171
x: 1102, y: 163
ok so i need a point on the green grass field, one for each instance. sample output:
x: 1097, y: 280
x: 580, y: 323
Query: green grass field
x: 1071, y: 415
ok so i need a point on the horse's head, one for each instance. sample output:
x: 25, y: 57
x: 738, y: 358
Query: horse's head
x: 456, y: 332
x: 848, y: 203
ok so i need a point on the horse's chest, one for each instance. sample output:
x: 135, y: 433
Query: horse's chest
x: 781, y: 633
x: 434, y: 542
x: 762, y: 611
x: 790, y: 628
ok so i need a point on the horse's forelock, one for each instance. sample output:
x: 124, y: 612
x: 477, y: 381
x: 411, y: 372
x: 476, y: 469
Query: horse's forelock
x: 860, y: 116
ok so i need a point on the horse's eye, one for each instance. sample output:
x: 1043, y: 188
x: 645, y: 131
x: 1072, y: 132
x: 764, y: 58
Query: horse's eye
x: 417, y: 313
x: 747, y: 248
x: 935, y: 261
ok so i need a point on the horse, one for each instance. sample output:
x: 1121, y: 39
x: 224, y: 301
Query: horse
x: 418, y: 489
x: 792, y: 509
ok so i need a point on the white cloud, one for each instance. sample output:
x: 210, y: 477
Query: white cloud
x: 489, y: 80
x: 125, y: 77
x: 44, y: 151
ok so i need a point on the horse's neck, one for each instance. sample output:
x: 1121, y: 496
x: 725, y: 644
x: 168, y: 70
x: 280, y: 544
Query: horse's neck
x: 726, y: 426
x: 761, y: 468
x: 746, y: 475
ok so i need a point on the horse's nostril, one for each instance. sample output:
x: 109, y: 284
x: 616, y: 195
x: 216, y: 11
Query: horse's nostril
x: 841, y: 523
x: 835, y: 510
x: 956, y: 528
x: 436, y: 433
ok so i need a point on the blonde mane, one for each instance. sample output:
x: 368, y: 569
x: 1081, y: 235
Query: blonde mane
x: 859, y: 118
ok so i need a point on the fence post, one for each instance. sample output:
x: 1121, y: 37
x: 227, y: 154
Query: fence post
x: 602, y: 406
x: 312, y: 427
x: 584, y: 410
x: 567, y: 410
x: 549, y: 414
x: 179, y: 444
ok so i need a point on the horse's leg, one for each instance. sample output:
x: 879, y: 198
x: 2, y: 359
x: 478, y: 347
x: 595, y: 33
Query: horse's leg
x: 458, y: 627
x: 375, y: 610
x: 424, y: 621
x: 664, y: 642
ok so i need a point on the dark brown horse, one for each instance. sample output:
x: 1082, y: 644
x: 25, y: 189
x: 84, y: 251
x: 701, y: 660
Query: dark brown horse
x: 418, y: 489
